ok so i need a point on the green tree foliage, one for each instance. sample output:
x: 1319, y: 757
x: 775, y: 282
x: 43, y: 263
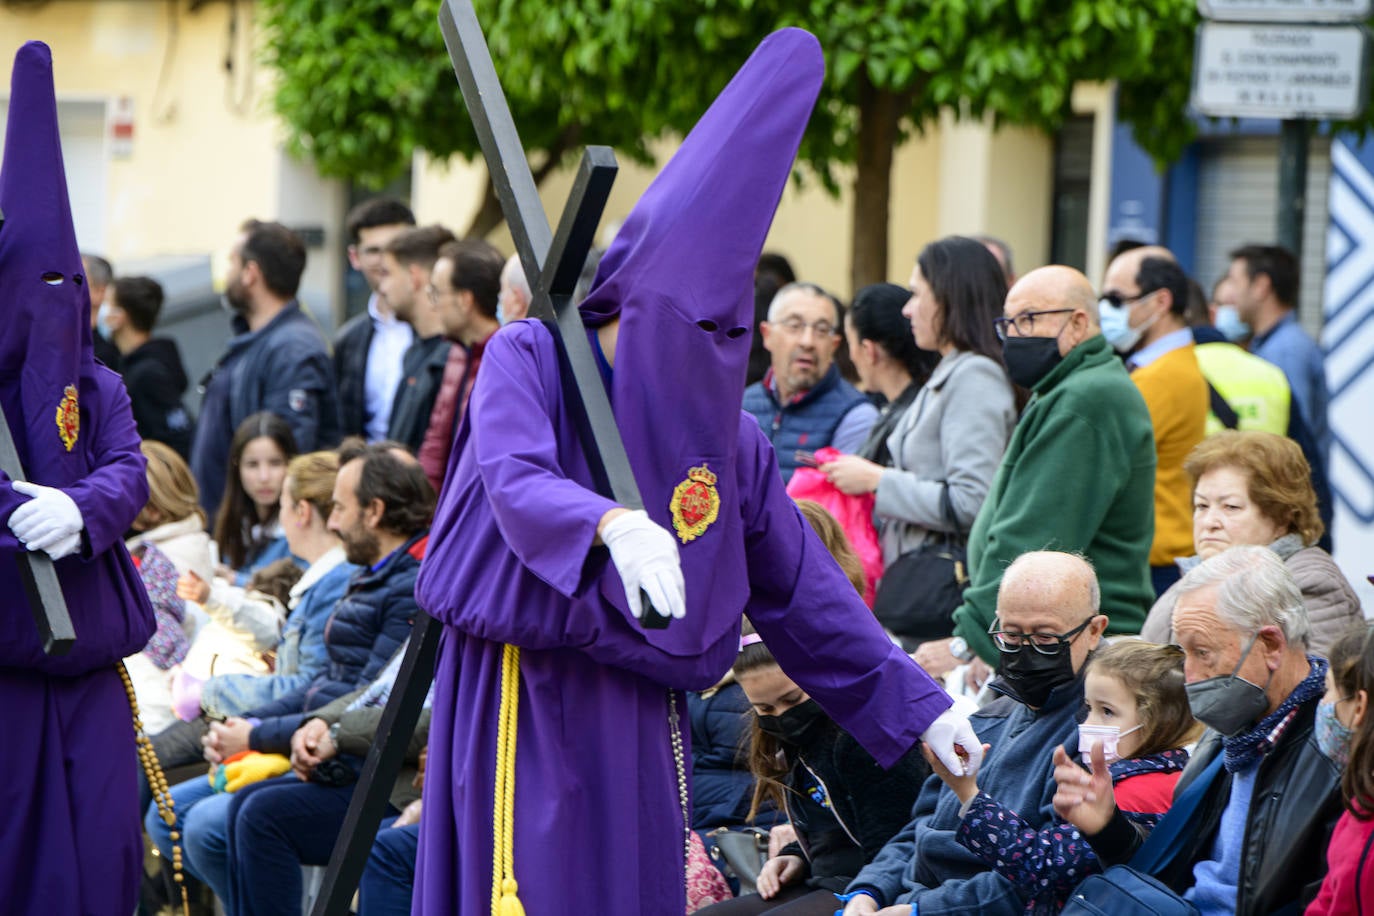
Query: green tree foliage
x: 365, y: 83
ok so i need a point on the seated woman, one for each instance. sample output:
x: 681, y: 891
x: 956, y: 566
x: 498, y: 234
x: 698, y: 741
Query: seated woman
x: 1255, y: 488
x: 254, y: 625
x: 247, y: 529
x: 1345, y: 732
x: 1139, y: 722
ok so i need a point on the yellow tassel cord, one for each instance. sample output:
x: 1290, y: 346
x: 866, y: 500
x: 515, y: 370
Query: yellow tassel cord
x: 505, y: 900
x: 157, y: 781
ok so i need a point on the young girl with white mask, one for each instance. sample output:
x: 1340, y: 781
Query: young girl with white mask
x: 1137, y: 719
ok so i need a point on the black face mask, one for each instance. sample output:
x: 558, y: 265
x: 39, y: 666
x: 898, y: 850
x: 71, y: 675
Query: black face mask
x: 795, y: 725
x: 1032, y: 675
x: 1030, y: 359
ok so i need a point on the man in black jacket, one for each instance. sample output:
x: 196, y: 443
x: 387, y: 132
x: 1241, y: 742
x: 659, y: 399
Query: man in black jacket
x: 152, y: 369
x: 369, y: 346
x: 1257, y: 842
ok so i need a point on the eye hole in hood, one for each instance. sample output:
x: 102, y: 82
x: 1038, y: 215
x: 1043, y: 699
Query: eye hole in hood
x: 707, y: 325
x: 53, y: 278
x: 736, y: 333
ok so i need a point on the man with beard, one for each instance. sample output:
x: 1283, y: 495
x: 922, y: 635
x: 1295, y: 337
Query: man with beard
x: 275, y: 361
x: 802, y: 403
x: 382, y: 509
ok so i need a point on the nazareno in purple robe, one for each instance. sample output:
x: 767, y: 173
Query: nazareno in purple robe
x: 69, y: 836
x: 598, y: 819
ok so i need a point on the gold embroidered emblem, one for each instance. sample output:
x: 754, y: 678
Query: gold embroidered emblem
x: 695, y: 504
x: 68, y: 417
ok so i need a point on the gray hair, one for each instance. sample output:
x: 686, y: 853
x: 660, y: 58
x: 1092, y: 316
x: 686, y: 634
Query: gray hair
x: 1254, y: 590
x: 98, y: 270
x: 513, y: 275
x: 1004, y: 254
x: 811, y: 288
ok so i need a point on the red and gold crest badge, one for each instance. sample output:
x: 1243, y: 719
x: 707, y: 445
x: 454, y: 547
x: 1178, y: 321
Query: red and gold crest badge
x: 68, y: 417
x: 695, y: 504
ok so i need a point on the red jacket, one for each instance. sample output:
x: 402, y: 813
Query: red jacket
x: 1349, y: 884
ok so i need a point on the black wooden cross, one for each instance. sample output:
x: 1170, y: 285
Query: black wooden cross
x: 553, y: 262
x: 46, y: 601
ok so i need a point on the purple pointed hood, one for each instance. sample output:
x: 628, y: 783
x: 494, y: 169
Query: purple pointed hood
x: 45, y: 331
x: 680, y: 276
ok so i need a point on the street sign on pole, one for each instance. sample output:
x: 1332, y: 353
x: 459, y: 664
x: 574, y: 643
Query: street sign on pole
x: 1285, y: 10
x: 1280, y: 71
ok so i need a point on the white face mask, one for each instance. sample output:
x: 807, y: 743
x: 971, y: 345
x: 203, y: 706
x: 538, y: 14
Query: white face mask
x: 1109, y: 735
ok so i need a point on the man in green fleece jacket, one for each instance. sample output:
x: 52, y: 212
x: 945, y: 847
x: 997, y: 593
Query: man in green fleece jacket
x: 1078, y: 475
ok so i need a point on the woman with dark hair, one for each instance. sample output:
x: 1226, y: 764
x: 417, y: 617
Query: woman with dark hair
x: 887, y: 359
x: 946, y: 447
x: 246, y: 526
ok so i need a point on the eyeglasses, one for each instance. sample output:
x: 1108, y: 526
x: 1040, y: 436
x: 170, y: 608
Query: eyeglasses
x: 1116, y: 300
x: 435, y: 293
x: 1044, y: 643
x: 796, y: 327
x: 1024, y: 323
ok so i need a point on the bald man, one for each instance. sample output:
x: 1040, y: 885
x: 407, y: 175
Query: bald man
x: 1079, y: 472
x: 1141, y: 312
x: 1052, y: 600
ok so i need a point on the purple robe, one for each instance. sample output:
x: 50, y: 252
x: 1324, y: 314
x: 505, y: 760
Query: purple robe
x: 598, y: 818
x: 69, y: 840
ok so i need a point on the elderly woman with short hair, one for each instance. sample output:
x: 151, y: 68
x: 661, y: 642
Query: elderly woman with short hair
x: 1255, y: 488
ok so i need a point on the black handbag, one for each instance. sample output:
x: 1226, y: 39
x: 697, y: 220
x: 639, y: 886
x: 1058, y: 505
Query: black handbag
x: 922, y: 588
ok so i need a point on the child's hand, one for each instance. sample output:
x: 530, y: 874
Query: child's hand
x: 1084, y: 799
x: 965, y: 787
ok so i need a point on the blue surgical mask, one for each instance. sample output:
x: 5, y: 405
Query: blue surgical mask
x: 102, y: 322
x: 1116, y: 326
x: 1230, y: 324
x: 1333, y: 737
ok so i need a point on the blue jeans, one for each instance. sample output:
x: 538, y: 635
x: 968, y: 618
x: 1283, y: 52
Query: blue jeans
x: 201, y: 819
x: 389, y: 878
x: 275, y: 827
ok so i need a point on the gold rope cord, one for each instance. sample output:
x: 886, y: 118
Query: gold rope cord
x: 505, y: 900
x: 157, y: 781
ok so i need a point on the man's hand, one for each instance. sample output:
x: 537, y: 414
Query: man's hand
x: 777, y: 872
x: 49, y: 521
x: 308, y: 745
x: 861, y: 905
x: 410, y: 815
x: 976, y: 674
x: 646, y: 557
x: 952, y: 739
x: 1085, y: 800
x: 852, y: 475
x: 935, y: 657
x: 191, y: 587
x: 964, y: 787
x: 225, y: 739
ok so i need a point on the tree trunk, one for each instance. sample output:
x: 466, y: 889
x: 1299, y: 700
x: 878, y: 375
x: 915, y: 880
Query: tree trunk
x: 880, y: 113
x: 489, y: 215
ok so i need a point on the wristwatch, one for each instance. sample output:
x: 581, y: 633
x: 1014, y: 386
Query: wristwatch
x: 334, y: 736
x: 958, y: 647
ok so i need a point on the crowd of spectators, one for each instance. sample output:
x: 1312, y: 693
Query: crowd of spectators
x: 1100, y: 520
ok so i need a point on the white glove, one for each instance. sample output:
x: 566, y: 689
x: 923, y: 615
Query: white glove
x: 949, y: 732
x: 49, y: 521
x: 646, y: 557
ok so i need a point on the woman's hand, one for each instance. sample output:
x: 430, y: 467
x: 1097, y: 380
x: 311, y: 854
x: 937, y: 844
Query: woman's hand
x: 776, y: 872
x: 852, y: 475
x: 191, y: 587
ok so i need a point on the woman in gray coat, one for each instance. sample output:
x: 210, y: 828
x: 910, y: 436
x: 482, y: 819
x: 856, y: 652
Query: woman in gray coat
x: 947, y: 445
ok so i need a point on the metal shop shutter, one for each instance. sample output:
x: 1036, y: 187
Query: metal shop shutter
x: 1238, y: 188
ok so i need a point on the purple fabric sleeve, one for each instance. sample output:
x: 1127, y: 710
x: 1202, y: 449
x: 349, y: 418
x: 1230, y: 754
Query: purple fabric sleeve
x: 548, y: 520
x: 116, y: 489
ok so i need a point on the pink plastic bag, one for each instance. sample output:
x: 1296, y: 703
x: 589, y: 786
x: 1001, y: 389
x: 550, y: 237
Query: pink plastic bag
x: 854, y: 513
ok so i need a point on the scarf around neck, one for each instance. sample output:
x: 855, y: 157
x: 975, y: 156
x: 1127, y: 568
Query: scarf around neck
x: 1251, y: 746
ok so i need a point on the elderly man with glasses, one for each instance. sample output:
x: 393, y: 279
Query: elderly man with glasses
x: 1078, y: 474
x: 1048, y: 622
x: 802, y: 403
